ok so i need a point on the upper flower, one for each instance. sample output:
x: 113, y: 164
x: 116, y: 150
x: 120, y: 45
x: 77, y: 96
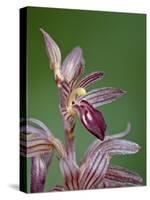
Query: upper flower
x: 73, y: 90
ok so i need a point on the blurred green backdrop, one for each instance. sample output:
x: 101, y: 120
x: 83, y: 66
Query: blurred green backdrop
x: 112, y: 42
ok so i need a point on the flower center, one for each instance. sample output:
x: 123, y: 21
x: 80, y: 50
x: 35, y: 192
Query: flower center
x: 73, y: 96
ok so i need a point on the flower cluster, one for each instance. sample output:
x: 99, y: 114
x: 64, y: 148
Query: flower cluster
x: 37, y: 141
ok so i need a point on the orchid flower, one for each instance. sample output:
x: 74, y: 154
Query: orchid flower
x: 74, y: 99
x: 38, y: 142
x: 95, y: 170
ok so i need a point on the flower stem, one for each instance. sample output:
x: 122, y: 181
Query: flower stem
x: 69, y: 132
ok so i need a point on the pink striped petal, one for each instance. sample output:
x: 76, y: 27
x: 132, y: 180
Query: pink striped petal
x: 73, y: 65
x: 100, y: 157
x: 114, y: 147
x: 90, y: 79
x: 38, y: 140
x: 52, y: 50
x: 92, y: 119
x: 39, y: 124
x: 94, y: 170
x: 70, y: 173
x: 64, y: 92
x: 121, y: 174
x: 102, y: 96
x: 35, y: 138
x: 120, y: 177
x: 39, y: 171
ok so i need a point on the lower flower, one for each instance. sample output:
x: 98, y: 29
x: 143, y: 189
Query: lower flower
x: 95, y: 170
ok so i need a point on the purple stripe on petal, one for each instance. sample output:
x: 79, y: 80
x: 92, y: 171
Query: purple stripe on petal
x: 90, y: 79
x: 120, y: 147
x: 94, y: 170
x: 35, y: 138
x: 65, y: 87
x: 30, y: 131
x: 92, y: 119
x: 34, y: 154
x: 73, y: 64
x: 102, y: 96
x: 39, y: 170
x: 77, y: 75
x: 105, y: 148
x: 99, y: 173
x: 36, y: 148
x: 116, y: 147
x: 34, y: 142
x: 39, y: 124
x: 64, y: 92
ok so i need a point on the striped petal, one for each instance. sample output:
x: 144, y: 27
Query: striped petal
x: 90, y: 79
x: 116, y: 147
x: 93, y: 170
x: 35, y: 138
x: 70, y: 173
x: 120, y: 177
x: 54, y: 57
x: 38, y: 140
x: 99, y: 97
x: 73, y: 65
x: 27, y: 131
x: 92, y: 119
x: 39, y: 171
x: 39, y: 124
x: 52, y: 49
x: 120, y: 147
x: 100, y: 157
x: 64, y: 92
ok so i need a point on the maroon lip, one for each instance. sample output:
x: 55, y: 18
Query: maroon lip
x: 92, y: 119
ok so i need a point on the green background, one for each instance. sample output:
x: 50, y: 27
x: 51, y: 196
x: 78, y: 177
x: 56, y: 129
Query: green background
x: 112, y: 42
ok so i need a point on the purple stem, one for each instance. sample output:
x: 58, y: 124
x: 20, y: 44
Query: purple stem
x: 69, y: 133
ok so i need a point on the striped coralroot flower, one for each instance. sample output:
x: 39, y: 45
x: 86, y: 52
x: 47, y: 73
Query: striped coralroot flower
x: 38, y: 143
x: 74, y: 97
x: 95, y: 170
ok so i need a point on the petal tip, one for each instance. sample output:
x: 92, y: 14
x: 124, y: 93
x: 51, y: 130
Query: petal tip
x: 122, y: 92
x: 42, y: 31
x: 101, y: 74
